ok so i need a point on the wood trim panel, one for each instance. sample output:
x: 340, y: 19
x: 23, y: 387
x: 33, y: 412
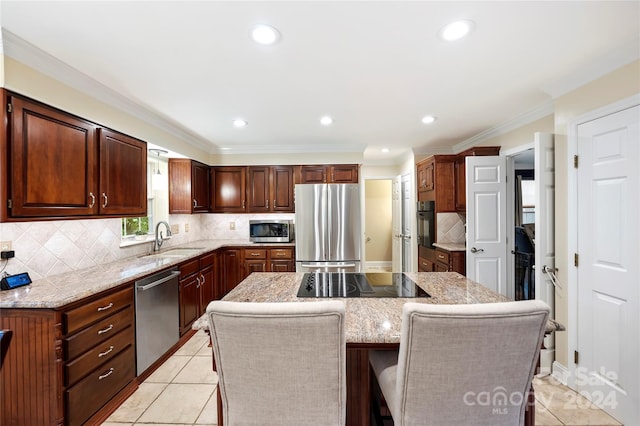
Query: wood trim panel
x: 32, y: 370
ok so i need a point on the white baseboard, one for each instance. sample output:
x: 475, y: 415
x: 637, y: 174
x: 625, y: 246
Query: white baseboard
x: 560, y: 373
x: 377, y: 264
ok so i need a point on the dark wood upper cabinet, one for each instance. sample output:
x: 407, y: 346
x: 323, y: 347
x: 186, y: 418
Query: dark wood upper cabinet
x: 123, y: 174
x: 189, y: 187
x: 228, y: 189
x: 60, y: 165
x: 270, y: 189
x: 334, y: 173
x: 53, y: 162
x: 435, y: 182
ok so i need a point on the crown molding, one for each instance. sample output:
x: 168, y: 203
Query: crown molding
x: 541, y: 111
x: 290, y: 149
x: 34, y: 57
x: 614, y: 58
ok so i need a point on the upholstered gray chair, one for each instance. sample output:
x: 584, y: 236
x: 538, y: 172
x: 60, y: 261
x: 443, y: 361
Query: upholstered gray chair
x: 462, y: 364
x: 280, y: 363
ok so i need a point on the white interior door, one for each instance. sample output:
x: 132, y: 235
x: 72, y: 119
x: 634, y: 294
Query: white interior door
x: 545, y: 256
x: 486, y: 219
x: 607, y: 274
x: 396, y: 214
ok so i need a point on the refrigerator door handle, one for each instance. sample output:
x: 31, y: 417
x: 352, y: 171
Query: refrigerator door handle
x: 329, y: 265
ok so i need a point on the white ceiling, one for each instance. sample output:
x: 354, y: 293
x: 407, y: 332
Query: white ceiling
x: 376, y: 67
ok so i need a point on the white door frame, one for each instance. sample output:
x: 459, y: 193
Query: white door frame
x: 572, y: 224
x: 510, y: 223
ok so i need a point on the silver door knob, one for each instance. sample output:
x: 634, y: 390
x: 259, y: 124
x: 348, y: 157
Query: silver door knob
x: 475, y: 250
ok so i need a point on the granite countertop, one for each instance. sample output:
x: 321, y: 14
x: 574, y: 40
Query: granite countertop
x: 369, y: 320
x: 451, y: 246
x: 59, y: 290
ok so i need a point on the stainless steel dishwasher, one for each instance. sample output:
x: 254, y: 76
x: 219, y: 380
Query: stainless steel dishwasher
x: 157, y: 317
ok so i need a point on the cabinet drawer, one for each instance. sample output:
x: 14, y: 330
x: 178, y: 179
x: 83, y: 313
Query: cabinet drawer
x: 425, y: 265
x: 100, y: 354
x: 207, y: 260
x: 255, y: 253
x: 91, y: 393
x: 78, y: 318
x: 442, y: 257
x: 189, y: 268
x: 86, y: 339
x: 285, y: 253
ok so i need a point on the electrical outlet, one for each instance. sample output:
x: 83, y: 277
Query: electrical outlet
x: 232, y: 226
x: 175, y: 228
x: 5, y: 245
x: 186, y: 227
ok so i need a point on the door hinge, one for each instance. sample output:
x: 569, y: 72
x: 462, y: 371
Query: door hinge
x: 9, y: 107
x: 9, y: 204
x: 575, y: 161
x: 575, y: 357
x: 575, y: 259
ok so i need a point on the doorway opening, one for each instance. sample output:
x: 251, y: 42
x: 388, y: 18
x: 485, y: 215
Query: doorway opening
x: 378, y: 215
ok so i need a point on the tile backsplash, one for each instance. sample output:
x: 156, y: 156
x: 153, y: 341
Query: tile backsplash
x: 451, y: 228
x: 53, y: 247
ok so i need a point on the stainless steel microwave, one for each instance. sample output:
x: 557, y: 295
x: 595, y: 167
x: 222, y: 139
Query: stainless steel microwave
x: 271, y: 231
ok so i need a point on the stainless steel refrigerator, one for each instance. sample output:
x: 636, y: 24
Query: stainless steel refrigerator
x: 327, y: 224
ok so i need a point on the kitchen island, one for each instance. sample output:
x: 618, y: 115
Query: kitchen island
x: 371, y: 323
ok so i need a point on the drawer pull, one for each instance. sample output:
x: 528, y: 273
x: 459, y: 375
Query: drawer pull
x: 106, y: 329
x: 440, y: 256
x: 104, y: 308
x: 105, y: 353
x: 424, y: 264
x: 255, y: 254
x: 107, y: 374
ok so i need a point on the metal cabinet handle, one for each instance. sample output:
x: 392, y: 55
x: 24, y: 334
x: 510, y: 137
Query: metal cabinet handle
x: 243, y: 204
x: 274, y: 203
x: 475, y: 250
x: 93, y: 200
x: 255, y: 254
x: 204, y: 280
x: 198, y: 280
x: 104, y: 308
x: 267, y: 203
x: 106, y: 330
x: 106, y: 200
x: 107, y: 374
x: 195, y: 203
x: 105, y: 353
x: 440, y: 256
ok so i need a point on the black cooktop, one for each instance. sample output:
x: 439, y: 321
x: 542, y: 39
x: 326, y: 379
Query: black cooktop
x: 351, y: 284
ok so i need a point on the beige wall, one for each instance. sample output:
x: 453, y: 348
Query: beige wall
x: 522, y: 135
x: 378, y: 220
x: 606, y: 90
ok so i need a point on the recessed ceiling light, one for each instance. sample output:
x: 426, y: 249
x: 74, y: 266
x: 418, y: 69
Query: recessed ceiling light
x: 385, y: 150
x: 326, y: 120
x: 238, y: 122
x: 428, y: 119
x: 456, y: 30
x: 265, y: 34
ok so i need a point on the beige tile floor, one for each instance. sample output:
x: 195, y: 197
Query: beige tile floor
x: 183, y: 392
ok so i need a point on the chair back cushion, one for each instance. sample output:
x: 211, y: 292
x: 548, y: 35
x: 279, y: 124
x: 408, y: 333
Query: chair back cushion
x: 467, y: 364
x: 280, y: 363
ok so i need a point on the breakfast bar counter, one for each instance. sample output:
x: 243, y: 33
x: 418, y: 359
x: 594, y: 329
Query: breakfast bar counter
x: 371, y: 323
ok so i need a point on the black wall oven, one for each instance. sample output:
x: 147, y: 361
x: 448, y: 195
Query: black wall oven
x: 426, y: 224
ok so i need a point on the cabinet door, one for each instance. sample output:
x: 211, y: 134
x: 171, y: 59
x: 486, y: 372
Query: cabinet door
x: 313, y: 174
x: 54, y: 161
x: 123, y: 174
x: 189, y: 302
x: 282, y: 266
x: 441, y: 267
x: 254, y: 266
x: 461, y: 184
x: 232, y: 267
x: 207, y: 289
x: 258, y: 189
x: 282, y: 189
x: 228, y: 185
x: 343, y: 173
x: 200, y: 186
x: 180, y: 201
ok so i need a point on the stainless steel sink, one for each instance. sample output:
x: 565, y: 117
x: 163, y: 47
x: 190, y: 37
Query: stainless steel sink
x: 177, y: 252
